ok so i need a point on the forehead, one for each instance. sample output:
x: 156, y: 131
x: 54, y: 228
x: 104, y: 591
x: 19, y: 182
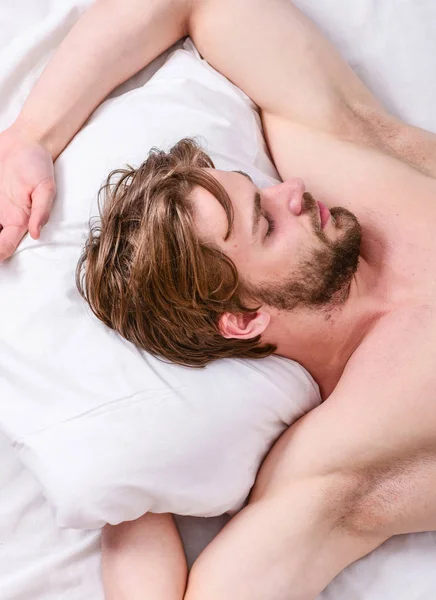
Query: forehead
x: 210, y: 217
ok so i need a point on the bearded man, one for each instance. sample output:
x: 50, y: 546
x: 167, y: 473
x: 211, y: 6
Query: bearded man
x: 334, y: 267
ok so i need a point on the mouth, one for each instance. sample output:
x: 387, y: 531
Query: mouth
x: 324, y: 214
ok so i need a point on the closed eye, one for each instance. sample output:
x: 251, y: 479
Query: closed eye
x: 271, y: 226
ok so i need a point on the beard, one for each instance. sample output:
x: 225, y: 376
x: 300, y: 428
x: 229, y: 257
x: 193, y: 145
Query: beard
x: 323, y: 278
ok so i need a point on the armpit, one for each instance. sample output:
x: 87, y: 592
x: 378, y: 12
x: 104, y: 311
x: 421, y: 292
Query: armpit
x: 378, y: 129
x: 395, y: 498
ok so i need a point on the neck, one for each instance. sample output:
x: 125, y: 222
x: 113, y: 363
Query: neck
x: 323, y: 340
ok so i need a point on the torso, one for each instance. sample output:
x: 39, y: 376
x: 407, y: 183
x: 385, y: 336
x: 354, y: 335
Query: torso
x: 383, y: 410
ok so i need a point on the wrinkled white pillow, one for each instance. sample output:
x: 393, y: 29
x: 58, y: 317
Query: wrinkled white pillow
x: 109, y: 431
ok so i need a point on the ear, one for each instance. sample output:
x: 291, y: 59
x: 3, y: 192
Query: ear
x: 243, y: 326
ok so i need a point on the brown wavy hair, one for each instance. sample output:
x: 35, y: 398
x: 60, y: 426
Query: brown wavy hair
x: 146, y: 274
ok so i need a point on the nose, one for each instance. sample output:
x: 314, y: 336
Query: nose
x: 296, y: 189
x: 288, y: 194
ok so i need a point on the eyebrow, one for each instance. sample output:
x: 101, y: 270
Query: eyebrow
x: 244, y: 174
x: 257, y: 213
x: 257, y: 206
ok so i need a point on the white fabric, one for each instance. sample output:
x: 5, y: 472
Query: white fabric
x: 39, y: 560
x: 36, y: 558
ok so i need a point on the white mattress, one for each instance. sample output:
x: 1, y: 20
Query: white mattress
x: 392, y: 45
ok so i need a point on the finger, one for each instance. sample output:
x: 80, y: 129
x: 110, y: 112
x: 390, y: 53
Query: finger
x: 42, y: 202
x: 10, y: 237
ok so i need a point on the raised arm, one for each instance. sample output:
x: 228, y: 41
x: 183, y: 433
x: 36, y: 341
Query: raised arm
x: 294, y: 537
x: 301, y: 83
x: 282, y: 61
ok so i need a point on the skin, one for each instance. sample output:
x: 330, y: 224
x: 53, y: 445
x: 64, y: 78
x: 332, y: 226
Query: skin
x: 361, y: 467
x: 155, y: 538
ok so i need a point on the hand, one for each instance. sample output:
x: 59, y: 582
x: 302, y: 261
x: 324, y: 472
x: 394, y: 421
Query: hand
x: 27, y: 188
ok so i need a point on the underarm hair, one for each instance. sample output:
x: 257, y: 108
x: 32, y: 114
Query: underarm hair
x: 412, y: 145
x: 387, y: 493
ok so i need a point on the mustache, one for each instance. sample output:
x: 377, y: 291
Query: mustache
x: 310, y: 207
x: 309, y: 203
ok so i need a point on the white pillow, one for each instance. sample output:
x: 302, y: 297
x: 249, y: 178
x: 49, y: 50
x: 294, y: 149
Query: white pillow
x: 109, y: 431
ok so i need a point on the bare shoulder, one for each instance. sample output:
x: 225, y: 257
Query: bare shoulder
x: 383, y: 409
x: 389, y: 383
x: 374, y: 435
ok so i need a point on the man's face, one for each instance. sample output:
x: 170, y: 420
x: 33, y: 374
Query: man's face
x: 289, y: 250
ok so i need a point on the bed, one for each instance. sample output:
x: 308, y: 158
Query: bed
x: 49, y: 537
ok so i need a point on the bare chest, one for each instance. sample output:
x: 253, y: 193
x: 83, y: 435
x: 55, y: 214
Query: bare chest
x: 395, y: 442
x: 396, y: 364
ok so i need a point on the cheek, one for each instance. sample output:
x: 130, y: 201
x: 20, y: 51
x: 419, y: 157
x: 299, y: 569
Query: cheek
x: 242, y: 258
x: 248, y: 261
x: 263, y: 264
x: 282, y: 260
x: 270, y: 261
x: 291, y: 249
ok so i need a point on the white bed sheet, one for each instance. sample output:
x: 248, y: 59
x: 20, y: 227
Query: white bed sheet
x: 39, y: 561
x: 392, y: 45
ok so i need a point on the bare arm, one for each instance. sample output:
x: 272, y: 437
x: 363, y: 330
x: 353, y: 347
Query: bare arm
x: 294, y: 73
x: 284, y: 546
x: 143, y: 560
x: 281, y: 60
x: 111, y: 42
x: 299, y: 532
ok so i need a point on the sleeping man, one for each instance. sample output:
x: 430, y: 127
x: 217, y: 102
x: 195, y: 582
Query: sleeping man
x: 334, y: 268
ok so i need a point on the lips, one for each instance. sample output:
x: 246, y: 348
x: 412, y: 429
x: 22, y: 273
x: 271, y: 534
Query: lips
x: 324, y: 214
